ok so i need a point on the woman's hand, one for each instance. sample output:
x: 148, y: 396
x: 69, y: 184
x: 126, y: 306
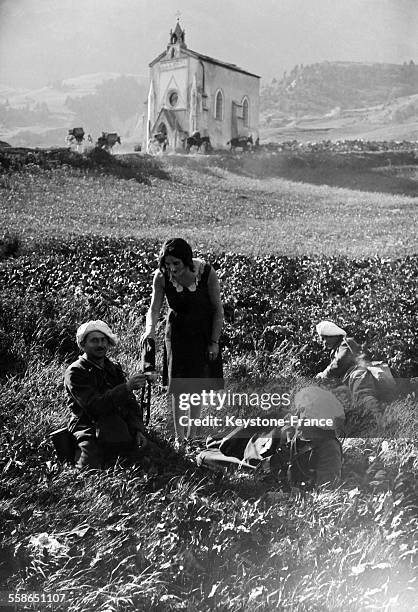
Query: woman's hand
x: 213, y: 350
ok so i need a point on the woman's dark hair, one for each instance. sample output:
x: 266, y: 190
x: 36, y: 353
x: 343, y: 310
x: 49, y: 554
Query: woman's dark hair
x: 176, y: 247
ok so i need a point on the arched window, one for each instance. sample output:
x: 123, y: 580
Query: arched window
x: 246, y: 112
x: 219, y: 106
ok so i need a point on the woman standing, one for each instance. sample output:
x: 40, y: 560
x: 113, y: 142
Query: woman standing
x: 192, y: 357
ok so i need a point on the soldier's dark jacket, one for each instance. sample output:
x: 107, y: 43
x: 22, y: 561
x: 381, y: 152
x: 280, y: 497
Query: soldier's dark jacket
x: 95, y: 392
x: 343, y: 359
x: 346, y: 368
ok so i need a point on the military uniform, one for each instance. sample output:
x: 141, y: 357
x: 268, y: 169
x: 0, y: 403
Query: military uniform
x: 105, y: 414
x: 344, y: 366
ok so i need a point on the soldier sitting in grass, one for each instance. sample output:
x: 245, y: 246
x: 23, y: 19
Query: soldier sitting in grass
x: 346, y: 367
x: 106, y: 419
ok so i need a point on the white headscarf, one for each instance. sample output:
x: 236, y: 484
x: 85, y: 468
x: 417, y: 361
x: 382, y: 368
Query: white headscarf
x: 92, y: 326
x: 328, y: 328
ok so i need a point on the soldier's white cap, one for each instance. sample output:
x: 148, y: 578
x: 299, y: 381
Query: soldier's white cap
x: 328, y: 328
x: 99, y: 326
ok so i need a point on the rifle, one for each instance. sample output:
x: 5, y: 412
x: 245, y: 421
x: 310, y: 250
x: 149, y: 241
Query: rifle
x: 148, y: 367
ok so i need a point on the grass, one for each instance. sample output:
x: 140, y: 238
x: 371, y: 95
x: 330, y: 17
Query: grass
x: 170, y: 536
x: 213, y: 208
x: 165, y: 535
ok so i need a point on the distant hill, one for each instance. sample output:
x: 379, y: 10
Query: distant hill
x: 98, y: 102
x: 342, y: 99
x: 320, y: 88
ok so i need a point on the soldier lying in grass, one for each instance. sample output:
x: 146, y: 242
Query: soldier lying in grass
x: 106, y: 419
x: 300, y: 448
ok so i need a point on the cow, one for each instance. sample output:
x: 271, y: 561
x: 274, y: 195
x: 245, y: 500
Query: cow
x: 107, y: 141
x: 198, y: 141
x: 241, y: 142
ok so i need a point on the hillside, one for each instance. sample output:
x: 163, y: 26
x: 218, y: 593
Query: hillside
x: 339, y: 100
x: 262, y: 196
x: 100, y: 101
x: 320, y: 88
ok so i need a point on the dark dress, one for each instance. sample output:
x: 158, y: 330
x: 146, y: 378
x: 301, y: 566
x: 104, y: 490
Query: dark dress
x: 187, y: 368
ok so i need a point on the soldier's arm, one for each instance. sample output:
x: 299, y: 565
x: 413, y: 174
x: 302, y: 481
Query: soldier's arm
x: 343, y: 361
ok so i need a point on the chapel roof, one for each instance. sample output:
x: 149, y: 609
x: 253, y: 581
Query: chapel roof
x: 205, y: 58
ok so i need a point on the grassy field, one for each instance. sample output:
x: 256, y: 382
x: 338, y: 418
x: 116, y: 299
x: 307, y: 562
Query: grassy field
x: 166, y: 535
x: 215, y: 209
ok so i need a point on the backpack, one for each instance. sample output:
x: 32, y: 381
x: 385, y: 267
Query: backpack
x: 245, y: 446
x: 385, y: 383
x: 64, y: 444
x: 241, y: 447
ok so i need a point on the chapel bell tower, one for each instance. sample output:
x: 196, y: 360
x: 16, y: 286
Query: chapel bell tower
x: 177, y: 41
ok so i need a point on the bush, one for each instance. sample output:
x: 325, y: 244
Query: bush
x: 138, y: 168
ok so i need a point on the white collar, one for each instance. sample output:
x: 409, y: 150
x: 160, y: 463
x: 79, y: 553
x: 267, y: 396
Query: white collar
x: 198, y: 267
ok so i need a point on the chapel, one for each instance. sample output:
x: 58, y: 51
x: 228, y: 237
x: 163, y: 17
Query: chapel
x: 190, y: 92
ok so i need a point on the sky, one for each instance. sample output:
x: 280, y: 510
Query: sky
x: 42, y: 41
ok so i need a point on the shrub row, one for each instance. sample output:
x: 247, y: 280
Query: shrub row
x: 268, y: 300
x: 139, y: 168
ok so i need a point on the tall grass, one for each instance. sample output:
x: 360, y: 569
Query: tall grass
x: 166, y: 535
